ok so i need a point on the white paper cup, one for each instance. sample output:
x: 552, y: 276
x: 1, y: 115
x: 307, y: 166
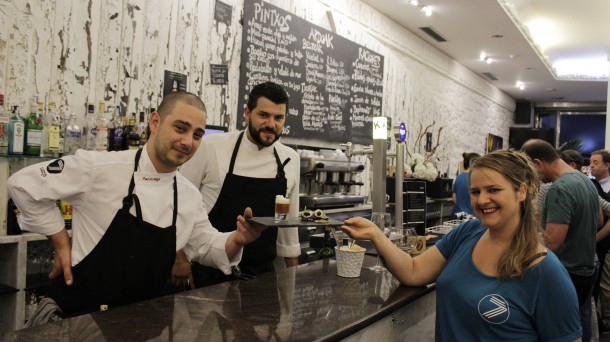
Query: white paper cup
x: 349, y: 262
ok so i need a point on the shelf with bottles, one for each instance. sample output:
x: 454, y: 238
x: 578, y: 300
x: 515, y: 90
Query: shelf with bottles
x: 21, y: 257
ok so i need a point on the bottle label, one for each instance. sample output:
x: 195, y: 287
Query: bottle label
x: 34, y: 137
x: 54, y: 137
x: 61, y: 145
x: 17, y: 138
x: 3, y: 131
x: 66, y: 213
x: 73, y: 134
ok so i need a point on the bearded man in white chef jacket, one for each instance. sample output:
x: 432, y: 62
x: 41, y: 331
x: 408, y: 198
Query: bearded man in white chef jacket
x: 132, y: 212
x: 250, y: 168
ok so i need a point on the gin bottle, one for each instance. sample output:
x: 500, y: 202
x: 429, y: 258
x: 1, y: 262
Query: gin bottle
x: 16, y: 133
x: 33, y: 129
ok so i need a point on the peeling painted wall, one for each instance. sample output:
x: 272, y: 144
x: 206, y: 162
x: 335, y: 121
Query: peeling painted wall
x: 74, y: 51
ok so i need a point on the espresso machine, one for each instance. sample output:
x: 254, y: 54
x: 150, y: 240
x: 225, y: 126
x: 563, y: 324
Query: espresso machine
x: 329, y: 181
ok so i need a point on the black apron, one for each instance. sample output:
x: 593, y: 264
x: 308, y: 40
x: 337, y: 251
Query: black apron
x: 131, y: 262
x: 237, y: 193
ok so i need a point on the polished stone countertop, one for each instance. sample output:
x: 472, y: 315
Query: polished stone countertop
x: 304, y: 303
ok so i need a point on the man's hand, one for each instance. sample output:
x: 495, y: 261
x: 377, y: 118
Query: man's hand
x: 181, y: 271
x: 63, y: 256
x: 243, y: 235
x: 247, y: 232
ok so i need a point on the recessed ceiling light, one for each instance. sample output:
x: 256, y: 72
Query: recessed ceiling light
x: 414, y: 2
x: 513, y: 56
x: 550, y: 90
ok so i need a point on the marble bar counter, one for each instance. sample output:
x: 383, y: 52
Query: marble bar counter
x: 305, y: 303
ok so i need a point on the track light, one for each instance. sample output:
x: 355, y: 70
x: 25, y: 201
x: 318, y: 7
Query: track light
x: 486, y: 58
x: 427, y: 10
x: 520, y: 85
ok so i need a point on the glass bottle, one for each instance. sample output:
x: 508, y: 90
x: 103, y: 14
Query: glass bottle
x: 33, y: 129
x: 101, y: 123
x: 89, y: 129
x: 52, y: 127
x: 44, y: 140
x: 66, y: 212
x: 72, y: 137
x: 118, y: 135
x: 62, y: 133
x: 4, y: 119
x: 16, y: 133
x: 142, y: 129
x: 111, y: 126
x: 133, y: 137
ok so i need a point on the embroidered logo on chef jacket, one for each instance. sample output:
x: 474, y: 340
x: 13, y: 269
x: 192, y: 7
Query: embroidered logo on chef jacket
x: 494, y: 309
x: 56, y: 166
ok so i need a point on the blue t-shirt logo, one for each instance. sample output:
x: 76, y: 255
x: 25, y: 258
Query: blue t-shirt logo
x: 494, y: 309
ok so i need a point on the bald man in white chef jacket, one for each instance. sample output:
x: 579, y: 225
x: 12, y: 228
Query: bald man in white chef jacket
x: 132, y: 212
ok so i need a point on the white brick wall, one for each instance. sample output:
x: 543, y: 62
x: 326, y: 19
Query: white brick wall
x: 77, y: 51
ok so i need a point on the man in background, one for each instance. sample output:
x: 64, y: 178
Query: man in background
x: 600, y: 168
x: 249, y: 168
x: 570, y: 217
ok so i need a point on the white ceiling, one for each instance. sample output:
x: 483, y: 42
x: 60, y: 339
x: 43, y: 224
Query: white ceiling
x: 581, y: 28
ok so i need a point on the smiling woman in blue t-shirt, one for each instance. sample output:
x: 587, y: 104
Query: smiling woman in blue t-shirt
x: 494, y: 278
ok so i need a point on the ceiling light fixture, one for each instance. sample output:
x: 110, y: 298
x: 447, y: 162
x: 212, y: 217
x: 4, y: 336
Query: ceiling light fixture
x: 427, y: 10
x: 588, y: 67
x: 520, y: 85
x: 414, y: 2
x: 486, y: 58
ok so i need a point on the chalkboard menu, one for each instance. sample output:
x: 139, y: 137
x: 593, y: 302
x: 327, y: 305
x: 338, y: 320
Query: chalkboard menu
x: 335, y: 85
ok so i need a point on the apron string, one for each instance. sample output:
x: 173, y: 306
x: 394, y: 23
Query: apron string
x: 280, y: 165
x: 235, y: 150
x: 127, y: 200
x: 175, y: 203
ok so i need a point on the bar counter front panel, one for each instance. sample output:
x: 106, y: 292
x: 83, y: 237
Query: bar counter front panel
x: 305, y: 303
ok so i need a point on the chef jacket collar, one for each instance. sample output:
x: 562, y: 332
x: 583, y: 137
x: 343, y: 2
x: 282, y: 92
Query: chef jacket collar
x: 252, y: 147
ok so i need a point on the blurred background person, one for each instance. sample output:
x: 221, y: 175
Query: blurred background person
x: 461, y: 191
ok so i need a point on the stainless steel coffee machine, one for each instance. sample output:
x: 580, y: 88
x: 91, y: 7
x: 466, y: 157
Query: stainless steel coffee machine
x: 330, y: 181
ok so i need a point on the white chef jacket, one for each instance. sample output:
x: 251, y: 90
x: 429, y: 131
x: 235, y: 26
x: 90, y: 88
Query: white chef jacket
x: 95, y: 184
x: 209, y: 166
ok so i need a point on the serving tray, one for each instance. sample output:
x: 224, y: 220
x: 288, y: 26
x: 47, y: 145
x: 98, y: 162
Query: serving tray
x: 270, y: 222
